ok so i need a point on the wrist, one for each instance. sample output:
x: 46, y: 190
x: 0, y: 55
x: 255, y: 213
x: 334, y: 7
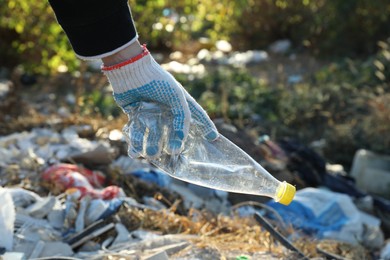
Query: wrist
x: 134, y: 72
x: 130, y: 61
x: 127, y: 53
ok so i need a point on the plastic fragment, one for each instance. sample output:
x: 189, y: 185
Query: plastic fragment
x: 7, y: 219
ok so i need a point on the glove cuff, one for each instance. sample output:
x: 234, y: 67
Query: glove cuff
x: 133, y: 73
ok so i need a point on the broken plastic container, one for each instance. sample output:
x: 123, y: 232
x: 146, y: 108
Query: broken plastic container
x: 219, y: 164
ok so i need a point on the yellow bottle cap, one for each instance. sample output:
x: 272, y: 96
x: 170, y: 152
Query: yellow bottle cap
x: 285, y: 193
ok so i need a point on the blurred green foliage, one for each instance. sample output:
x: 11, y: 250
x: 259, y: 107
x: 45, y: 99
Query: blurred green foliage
x: 350, y: 27
x: 30, y: 36
x: 234, y: 94
x: 98, y: 102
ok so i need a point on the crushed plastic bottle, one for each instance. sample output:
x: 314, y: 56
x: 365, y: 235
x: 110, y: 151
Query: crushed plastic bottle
x: 219, y: 164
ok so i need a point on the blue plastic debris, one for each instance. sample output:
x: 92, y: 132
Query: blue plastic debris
x: 331, y: 215
x: 153, y: 176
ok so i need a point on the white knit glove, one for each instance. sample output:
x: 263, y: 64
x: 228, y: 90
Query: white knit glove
x: 141, y: 79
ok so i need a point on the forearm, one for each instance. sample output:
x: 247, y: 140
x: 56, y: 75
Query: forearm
x: 97, y: 28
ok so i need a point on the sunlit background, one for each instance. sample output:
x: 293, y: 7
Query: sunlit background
x: 315, y: 70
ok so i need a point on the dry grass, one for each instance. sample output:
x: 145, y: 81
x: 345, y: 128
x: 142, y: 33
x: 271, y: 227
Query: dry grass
x: 227, y: 234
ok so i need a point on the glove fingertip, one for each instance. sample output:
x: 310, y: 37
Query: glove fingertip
x: 152, y: 150
x: 133, y: 153
x: 174, y: 146
x: 211, y: 136
x: 179, y: 134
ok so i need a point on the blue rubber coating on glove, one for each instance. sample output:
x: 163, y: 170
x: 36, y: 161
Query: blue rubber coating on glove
x: 156, y: 91
x: 212, y: 136
x: 152, y: 150
x: 159, y: 92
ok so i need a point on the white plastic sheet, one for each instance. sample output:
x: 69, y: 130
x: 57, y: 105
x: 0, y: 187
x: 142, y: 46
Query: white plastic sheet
x: 7, y: 219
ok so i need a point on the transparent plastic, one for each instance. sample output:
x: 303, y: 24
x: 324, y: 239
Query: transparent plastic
x: 218, y: 164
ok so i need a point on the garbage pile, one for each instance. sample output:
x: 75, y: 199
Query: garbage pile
x: 64, y: 196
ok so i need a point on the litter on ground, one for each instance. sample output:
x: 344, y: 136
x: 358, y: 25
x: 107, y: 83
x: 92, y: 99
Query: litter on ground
x: 58, y: 203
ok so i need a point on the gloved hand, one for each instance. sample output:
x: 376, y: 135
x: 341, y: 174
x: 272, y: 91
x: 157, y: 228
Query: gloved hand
x: 142, y: 79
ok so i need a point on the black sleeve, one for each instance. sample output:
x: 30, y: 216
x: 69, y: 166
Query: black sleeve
x: 95, y: 27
